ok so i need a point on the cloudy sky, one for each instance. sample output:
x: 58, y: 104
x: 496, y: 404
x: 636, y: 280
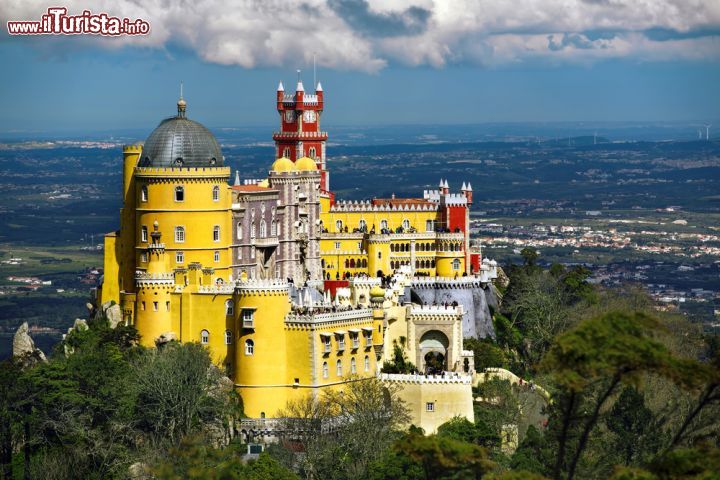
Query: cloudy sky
x: 380, y: 61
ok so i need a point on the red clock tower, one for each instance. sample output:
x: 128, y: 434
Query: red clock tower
x: 300, y: 134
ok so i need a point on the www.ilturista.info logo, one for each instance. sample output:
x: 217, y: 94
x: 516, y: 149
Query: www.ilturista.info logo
x: 57, y: 22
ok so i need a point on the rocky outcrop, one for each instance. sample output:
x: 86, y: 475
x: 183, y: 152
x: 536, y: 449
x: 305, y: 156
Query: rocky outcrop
x: 24, y: 349
x: 477, y: 319
x: 165, y: 338
x: 111, y: 311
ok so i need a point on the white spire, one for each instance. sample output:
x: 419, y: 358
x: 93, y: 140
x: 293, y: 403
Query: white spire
x: 281, y: 88
x: 469, y: 187
x: 463, y: 188
x: 319, y: 87
x: 446, y: 184
x: 441, y: 183
x: 237, y: 178
x: 300, y: 87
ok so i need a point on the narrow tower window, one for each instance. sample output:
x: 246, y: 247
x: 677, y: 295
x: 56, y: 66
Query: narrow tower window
x: 263, y: 229
x: 143, y: 193
x: 216, y: 193
x: 228, y: 337
x: 204, y: 337
x: 239, y: 231
x: 143, y: 234
x: 249, y: 347
x: 338, y: 368
x: 216, y: 233
x: 326, y: 373
x: 179, y: 194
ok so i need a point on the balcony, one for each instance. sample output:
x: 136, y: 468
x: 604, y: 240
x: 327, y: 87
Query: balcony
x: 327, y: 348
x: 264, y: 242
x: 249, y: 323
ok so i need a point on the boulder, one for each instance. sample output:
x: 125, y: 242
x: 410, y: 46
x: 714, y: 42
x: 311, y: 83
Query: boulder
x: 24, y: 348
x: 80, y: 324
x: 139, y: 471
x: 166, y: 337
x: 114, y: 315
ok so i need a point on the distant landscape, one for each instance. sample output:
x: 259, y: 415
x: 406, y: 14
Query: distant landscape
x: 612, y: 197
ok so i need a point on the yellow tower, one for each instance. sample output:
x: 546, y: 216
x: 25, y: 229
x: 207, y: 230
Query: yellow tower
x: 154, y: 287
x: 260, y: 355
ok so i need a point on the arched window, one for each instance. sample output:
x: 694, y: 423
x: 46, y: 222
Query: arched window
x: 229, y: 307
x: 367, y: 363
x: 238, y: 232
x: 286, y: 152
x: 204, y: 337
x: 143, y: 193
x: 383, y: 224
x: 312, y: 152
x: 364, y: 263
x: 273, y: 229
x: 179, y: 194
x: 216, y: 233
x: 406, y: 224
x: 353, y: 367
x: 263, y: 229
x: 326, y: 372
x: 216, y: 193
x: 429, y: 225
x: 362, y: 225
x: 338, y: 368
x: 179, y: 234
x: 228, y: 337
x: 249, y: 347
x: 352, y: 263
x: 252, y: 231
x: 417, y: 263
x: 339, y: 226
x: 216, y: 256
x: 456, y: 264
x: 347, y: 263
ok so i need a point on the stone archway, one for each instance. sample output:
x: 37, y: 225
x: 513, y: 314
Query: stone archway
x: 433, y: 350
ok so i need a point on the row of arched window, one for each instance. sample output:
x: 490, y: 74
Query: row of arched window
x: 180, y: 234
x: 179, y: 193
x: 352, y: 263
x: 262, y: 227
x: 339, y: 367
x: 249, y: 344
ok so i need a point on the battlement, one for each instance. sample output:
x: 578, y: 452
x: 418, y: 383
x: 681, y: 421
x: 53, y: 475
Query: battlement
x: 436, y: 310
x: 145, y: 279
x: 447, y: 378
x: 224, y: 288
x: 182, y: 172
x: 135, y: 148
x: 262, y: 286
x: 364, y: 282
x: 328, y: 317
x: 449, y: 282
x: 368, y: 206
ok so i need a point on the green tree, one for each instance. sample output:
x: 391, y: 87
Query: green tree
x: 399, y: 363
x: 632, y: 424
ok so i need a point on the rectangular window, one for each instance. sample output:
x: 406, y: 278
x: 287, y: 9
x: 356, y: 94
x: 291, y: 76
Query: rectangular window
x: 167, y: 306
x: 248, y: 318
x: 252, y: 252
x: 341, y: 342
x: 337, y: 245
x: 327, y: 344
x: 179, y: 234
x: 216, y: 233
x: 143, y: 234
x: 155, y: 306
x: 355, y: 341
x: 239, y: 256
x: 430, y: 407
x: 143, y: 257
x: 142, y: 305
x: 368, y: 339
x: 179, y: 257
x: 179, y: 194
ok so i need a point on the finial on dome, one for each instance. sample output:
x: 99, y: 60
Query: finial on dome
x: 181, y: 104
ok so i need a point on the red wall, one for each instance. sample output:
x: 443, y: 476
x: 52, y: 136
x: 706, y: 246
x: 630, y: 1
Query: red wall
x: 456, y: 218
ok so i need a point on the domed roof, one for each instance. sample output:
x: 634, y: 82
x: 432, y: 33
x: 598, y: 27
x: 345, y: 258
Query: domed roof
x: 306, y: 164
x: 377, y: 292
x: 283, y: 164
x: 181, y: 142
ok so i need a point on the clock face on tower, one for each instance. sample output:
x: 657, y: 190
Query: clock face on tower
x: 289, y: 116
x: 309, y: 116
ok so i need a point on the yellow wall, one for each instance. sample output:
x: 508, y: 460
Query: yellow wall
x: 395, y: 219
x: 110, y: 289
x: 449, y: 398
x: 262, y: 376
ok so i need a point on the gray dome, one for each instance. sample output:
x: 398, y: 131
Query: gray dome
x: 180, y: 142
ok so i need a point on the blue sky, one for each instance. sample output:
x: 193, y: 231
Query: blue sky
x: 79, y: 84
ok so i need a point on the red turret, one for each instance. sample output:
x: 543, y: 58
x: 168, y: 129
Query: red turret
x: 467, y: 191
x: 300, y: 134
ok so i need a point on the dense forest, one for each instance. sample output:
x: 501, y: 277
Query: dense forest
x: 632, y: 393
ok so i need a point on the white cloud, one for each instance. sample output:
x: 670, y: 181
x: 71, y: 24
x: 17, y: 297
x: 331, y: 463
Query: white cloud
x: 367, y: 35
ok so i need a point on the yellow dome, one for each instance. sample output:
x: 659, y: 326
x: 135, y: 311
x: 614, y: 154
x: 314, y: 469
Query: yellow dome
x: 306, y: 164
x: 283, y: 164
x: 377, y: 292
